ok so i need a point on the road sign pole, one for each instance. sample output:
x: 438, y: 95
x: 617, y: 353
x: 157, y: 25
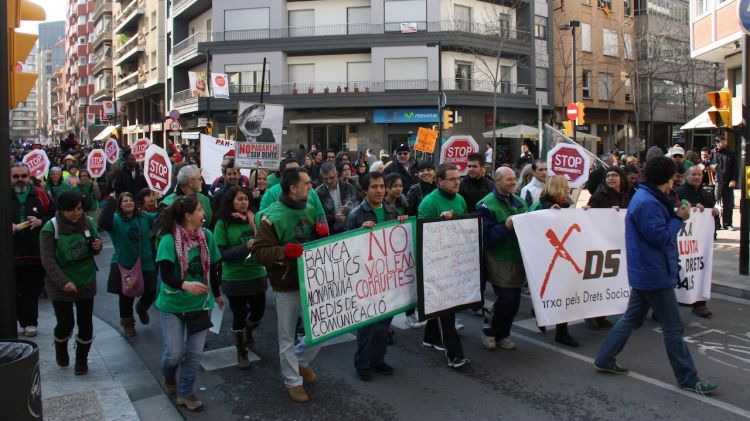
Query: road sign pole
x: 744, y: 260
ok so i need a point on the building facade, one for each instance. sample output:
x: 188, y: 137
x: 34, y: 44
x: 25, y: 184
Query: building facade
x: 50, y: 57
x: 605, y: 68
x: 360, y: 74
x: 102, y: 70
x: 24, y: 116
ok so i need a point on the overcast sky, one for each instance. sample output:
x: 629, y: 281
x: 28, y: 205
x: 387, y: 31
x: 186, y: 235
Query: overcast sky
x: 55, y: 10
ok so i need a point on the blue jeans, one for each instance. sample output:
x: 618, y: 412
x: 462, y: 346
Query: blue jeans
x: 181, y: 350
x: 664, y: 304
x: 372, y: 344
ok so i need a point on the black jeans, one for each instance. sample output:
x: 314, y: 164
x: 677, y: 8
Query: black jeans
x: 727, y: 205
x: 247, y: 308
x: 443, y: 330
x: 66, y: 322
x: 503, y: 312
x: 29, y: 285
x: 145, y: 301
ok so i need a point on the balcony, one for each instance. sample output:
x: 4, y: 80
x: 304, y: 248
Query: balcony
x: 103, y: 36
x: 101, y: 65
x: 128, y: 80
x: 185, y: 52
x: 189, y: 9
x: 129, y: 87
x: 129, y: 51
x: 128, y: 17
x: 102, y: 94
x: 101, y: 8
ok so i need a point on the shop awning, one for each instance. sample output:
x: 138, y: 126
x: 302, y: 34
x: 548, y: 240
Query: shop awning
x: 190, y: 135
x: 703, y: 121
x: 355, y: 120
x: 106, y: 132
x: 518, y: 131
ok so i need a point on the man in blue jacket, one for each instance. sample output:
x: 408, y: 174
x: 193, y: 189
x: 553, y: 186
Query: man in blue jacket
x: 651, y: 227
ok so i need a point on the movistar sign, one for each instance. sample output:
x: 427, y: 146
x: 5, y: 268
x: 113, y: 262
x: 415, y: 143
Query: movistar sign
x: 405, y: 115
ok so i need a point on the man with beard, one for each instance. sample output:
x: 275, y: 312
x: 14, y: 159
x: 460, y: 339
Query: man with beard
x: 31, y: 209
x: 404, y: 165
x: 475, y: 185
x: 250, y: 122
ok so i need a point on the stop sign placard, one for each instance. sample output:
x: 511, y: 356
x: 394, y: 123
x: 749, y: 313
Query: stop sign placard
x: 96, y: 163
x: 38, y: 163
x: 572, y: 111
x: 139, y: 148
x: 112, y: 150
x: 570, y: 161
x: 158, y: 169
x: 456, y: 151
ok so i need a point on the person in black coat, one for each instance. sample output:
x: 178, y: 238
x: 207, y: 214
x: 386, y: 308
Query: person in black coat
x: 425, y: 186
x: 337, y: 197
x: 475, y: 185
x: 405, y: 166
x: 726, y: 171
x: 130, y: 178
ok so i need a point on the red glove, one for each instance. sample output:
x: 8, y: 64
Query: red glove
x: 292, y: 250
x: 321, y: 230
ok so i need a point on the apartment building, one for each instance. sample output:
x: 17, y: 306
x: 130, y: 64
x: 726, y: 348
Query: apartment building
x: 605, y: 68
x: 50, y: 57
x: 139, y: 67
x: 102, y: 45
x: 357, y: 74
x: 23, y: 116
x: 672, y: 86
x: 59, y: 103
x: 79, y: 79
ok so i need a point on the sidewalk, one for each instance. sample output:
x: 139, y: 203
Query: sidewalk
x: 726, y: 279
x: 110, y: 391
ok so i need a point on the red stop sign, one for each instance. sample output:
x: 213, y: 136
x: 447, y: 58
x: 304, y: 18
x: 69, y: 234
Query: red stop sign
x: 96, y: 163
x: 158, y: 169
x: 38, y: 163
x: 112, y: 150
x: 139, y: 148
x: 572, y: 111
x: 456, y: 151
x: 570, y: 161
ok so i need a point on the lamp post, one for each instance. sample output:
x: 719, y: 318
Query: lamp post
x: 441, y: 99
x: 572, y: 25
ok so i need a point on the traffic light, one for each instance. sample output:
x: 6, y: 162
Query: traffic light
x: 447, y: 119
x: 581, y: 120
x: 720, y: 112
x: 568, y: 128
x: 20, y: 83
x: 210, y: 128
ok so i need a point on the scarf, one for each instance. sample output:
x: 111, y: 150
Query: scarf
x: 185, y: 240
x: 247, y: 217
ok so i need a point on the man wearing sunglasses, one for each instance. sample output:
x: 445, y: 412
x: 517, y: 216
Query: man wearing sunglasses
x: 31, y: 209
x: 405, y: 166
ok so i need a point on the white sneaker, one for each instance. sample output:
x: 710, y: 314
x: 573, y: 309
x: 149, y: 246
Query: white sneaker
x: 412, y: 322
x: 29, y: 331
x: 506, y: 343
x: 489, y: 342
x: 459, y: 325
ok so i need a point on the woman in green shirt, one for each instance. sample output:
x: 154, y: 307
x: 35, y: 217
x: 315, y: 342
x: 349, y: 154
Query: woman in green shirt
x: 244, y: 281
x: 187, y: 258
x: 89, y: 189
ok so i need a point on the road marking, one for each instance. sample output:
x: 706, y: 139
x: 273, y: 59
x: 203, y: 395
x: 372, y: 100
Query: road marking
x: 658, y: 383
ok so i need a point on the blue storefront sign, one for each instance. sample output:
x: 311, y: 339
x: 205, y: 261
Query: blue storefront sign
x: 405, y: 115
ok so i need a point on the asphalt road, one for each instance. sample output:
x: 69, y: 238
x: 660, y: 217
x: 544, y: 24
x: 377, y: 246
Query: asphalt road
x: 537, y: 381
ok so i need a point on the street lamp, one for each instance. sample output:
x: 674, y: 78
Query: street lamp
x: 441, y: 98
x: 572, y: 25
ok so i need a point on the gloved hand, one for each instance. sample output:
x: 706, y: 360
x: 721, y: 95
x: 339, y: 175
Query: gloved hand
x: 321, y: 230
x: 292, y: 250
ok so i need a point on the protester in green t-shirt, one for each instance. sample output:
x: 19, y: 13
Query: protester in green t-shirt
x: 243, y: 280
x: 187, y: 258
x: 68, y: 243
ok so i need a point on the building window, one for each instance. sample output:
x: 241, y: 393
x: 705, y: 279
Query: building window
x: 541, y: 78
x: 82, y: 60
x: 627, y: 40
x: 605, y: 86
x: 398, y: 11
x: 246, y: 78
x: 358, y: 74
x: 628, y: 8
x: 463, y: 75
x: 506, y: 78
x: 358, y: 20
x: 610, y: 43
x: 503, y: 24
x: 302, y: 23
x: 81, y: 40
x: 586, y: 2
x: 406, y: 73
x: 255, y: 21
x: 540, y: 27
x: 701, y: 6
x: 585, y: 37
x: 628, y: 90
x: 462, y: 18
x: 586, y: 83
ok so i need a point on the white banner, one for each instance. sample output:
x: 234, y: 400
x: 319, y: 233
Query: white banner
x: 198, y: 83
x: 356, y: 278
x: 259, y: 130
x: 576, y: 262
x: 219, y: 85
x: 695, y: 242
x: 213, y: 151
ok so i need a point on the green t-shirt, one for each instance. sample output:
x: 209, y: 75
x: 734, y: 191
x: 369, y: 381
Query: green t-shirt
x: 272, y: 195
x: 231, y: 235
x: 379, y: 214
x: 87, y: 190
x: 435, y: 203
x: 172, y: 300
x: 73, y: 255
x: 22, y: 201
x: 205, y: 204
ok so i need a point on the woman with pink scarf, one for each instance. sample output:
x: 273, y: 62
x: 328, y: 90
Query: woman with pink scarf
x: 187, y: 258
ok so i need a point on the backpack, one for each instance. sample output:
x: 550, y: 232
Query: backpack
x: 43, y: 197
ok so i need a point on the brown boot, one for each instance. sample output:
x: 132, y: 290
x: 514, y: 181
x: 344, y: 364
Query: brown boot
x: 128, y: 325
x: 298, y: 394
x: 239, y: 340
x: 142, y: 312
x: 307, y: 373
x: 82, y: 355
x: 170, y: 386
x: 61, y: 352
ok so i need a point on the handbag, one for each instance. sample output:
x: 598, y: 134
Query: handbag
x: 196, y: 321
x: 132, y: 279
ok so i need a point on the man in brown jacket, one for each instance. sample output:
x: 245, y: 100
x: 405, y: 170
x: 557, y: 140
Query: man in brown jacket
x: 284, y: 226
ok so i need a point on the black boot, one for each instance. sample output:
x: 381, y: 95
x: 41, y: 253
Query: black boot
x: 142, y: 312
x: 241, y: 343
x: 562, y: 336
x: 249, y: 327
x: 61, y: 352
x: 82, y: 355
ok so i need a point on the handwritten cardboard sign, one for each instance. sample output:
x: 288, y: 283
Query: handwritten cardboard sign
x: 450, y: 269
x: 356, y: 278
x: 426, y: 140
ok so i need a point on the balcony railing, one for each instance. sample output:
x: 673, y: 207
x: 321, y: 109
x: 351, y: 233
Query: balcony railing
x: 183, y: 98
x: 500, y: 29
x: 190, y: 42
x: 125, y: 13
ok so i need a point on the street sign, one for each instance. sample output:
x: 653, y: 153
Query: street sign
x: 96, y: 163
x: 174, y: 115
x: 456, y: 151
x: 38, y: 163
x: 174, y: 126
x: 743, y: 13
x: 570, y: 161
x: 112, y: 150
x: 139, y: 148
x: 158, y: 169
x: 572, y: 111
